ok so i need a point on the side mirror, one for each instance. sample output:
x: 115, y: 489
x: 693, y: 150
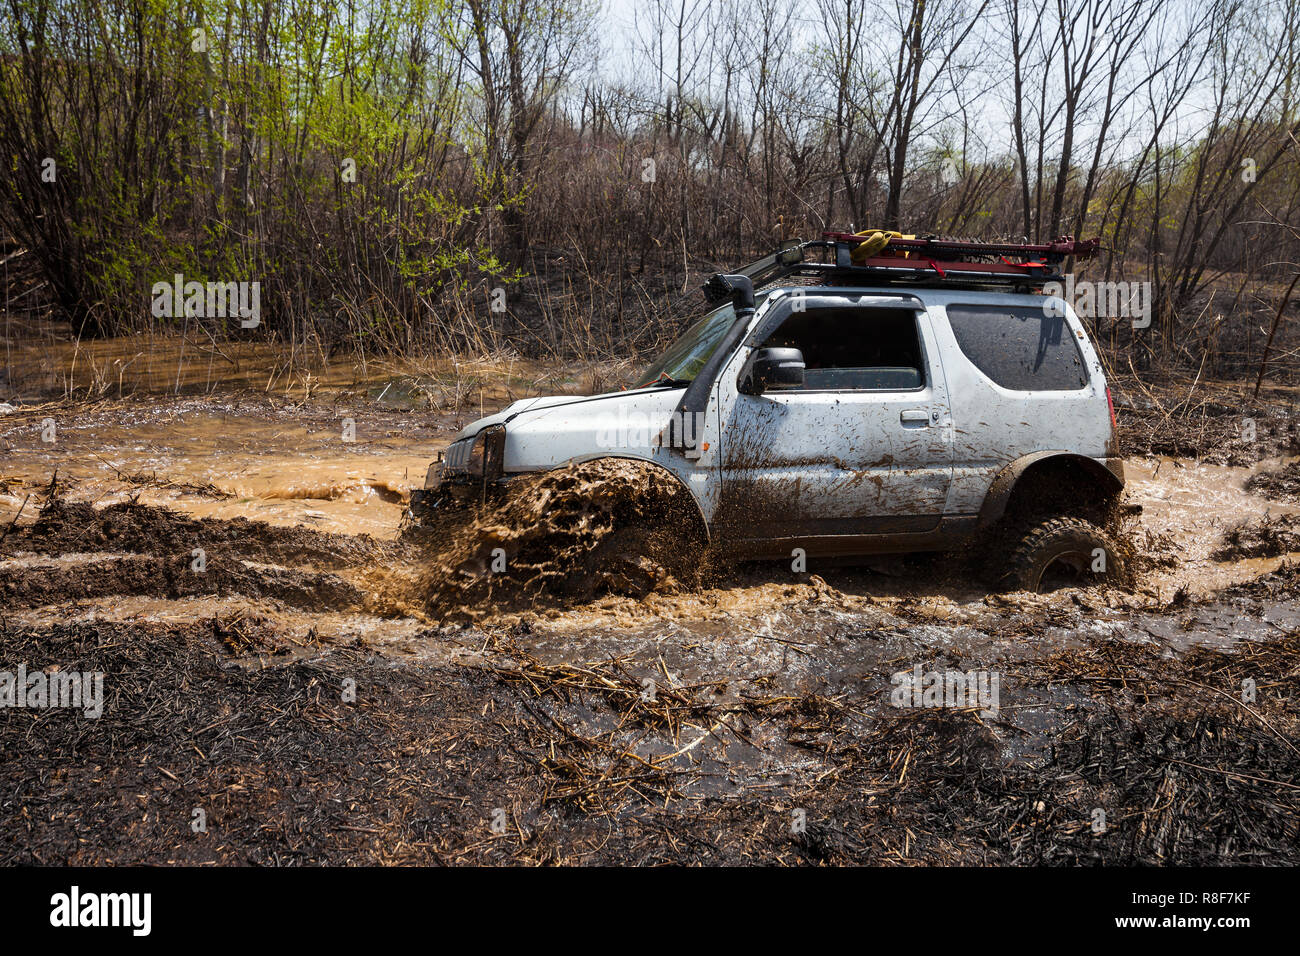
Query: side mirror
x: 774, y: 368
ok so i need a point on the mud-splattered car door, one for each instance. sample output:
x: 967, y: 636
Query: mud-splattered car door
x: 863, y: 447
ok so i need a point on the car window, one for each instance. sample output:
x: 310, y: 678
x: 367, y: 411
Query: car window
x: 850, y: 349
x: 1019, y: 347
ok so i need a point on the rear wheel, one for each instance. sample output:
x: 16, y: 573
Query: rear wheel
x: 1064, y: 552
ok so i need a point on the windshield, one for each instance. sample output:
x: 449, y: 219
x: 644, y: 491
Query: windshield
x: 685, y: 357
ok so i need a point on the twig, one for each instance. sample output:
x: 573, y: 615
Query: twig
x: 1273, y: 331
x: 16, y: 517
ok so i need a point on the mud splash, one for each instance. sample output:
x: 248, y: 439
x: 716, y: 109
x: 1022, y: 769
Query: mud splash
x: 568, y: 535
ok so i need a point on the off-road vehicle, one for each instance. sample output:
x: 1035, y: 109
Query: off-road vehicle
x: 848, y: 399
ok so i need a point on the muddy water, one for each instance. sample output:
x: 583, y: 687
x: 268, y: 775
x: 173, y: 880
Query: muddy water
x: 1187, y: 506
x: 343, y: 468
x: 347, y: 467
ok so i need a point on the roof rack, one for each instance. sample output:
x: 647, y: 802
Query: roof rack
x: 928, y: 260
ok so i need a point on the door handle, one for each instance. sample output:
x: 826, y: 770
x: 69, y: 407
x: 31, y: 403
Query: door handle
x: 914, y: 416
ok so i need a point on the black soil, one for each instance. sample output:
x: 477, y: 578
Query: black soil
x: 419, y: 766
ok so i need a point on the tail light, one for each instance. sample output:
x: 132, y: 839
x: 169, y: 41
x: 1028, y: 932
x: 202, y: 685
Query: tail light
x: 1110, y: 403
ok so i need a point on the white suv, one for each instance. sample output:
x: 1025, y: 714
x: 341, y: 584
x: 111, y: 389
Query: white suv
x: 870, y: 412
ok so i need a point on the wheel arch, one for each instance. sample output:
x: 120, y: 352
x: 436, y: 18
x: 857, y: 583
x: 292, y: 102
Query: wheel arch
x: 701, y: 523
x: 1003, y: 487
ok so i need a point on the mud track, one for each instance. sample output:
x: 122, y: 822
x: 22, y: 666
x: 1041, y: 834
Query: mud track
x: 63, y: 526
x: 132, y: 549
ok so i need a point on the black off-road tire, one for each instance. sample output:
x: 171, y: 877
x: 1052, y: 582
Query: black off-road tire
x: 1065, y: 544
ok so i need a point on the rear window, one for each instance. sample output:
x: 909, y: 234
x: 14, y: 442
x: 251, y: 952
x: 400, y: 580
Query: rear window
x: 1020, y: 348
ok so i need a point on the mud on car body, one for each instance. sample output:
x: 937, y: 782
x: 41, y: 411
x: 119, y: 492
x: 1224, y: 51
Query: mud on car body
x: 880, y: 409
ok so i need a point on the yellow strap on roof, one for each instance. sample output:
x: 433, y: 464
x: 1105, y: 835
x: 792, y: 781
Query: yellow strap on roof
x: 874, y: 243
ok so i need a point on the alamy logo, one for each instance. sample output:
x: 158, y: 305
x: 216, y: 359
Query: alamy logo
x: 74, y: 908
x: 212, y: 300
x: 955, y: 689
x: 1090, y: 300
x: 633, y: 429
x: 61, y: 689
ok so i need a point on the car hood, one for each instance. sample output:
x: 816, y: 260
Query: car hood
x: 528, y: 410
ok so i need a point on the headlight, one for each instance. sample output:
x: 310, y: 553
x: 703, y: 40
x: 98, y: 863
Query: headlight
x: 433, y: 477
x: 487, y: 454
x: 482, y: 456
x: 475, y: 463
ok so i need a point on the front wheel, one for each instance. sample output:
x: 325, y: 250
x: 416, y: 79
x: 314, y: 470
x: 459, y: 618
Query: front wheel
x: 1064, y: 552
x: 631, y: 561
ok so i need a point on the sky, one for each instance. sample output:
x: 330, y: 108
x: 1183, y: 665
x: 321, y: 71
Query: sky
x: 991, y: 114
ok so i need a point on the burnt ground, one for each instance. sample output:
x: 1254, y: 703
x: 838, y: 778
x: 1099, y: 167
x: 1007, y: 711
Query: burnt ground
x: 1215, y: 423
x: 518, y: 755
x: 415, y: 770
x: 305, y: 693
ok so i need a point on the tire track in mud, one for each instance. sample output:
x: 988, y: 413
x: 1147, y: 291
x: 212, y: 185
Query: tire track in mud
x: 174, y: 578
x: 162, y: 553
x: 63, y: 526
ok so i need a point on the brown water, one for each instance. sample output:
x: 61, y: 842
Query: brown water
x: 1190, y: 505
x: 270, y: 461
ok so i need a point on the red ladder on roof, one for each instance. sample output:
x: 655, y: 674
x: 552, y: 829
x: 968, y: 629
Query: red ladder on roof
x: 961, y: 259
